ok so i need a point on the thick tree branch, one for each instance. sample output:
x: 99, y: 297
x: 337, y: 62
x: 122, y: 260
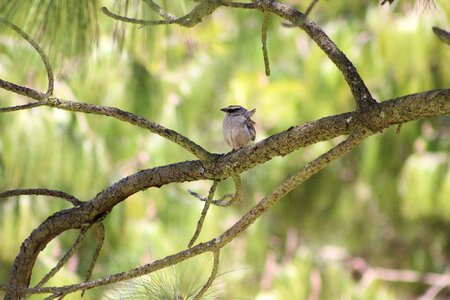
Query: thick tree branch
x: 216, y: 243
x: 400, y: 110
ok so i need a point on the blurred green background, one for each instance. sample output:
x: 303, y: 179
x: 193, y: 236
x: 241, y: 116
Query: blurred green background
x: 386, y: 204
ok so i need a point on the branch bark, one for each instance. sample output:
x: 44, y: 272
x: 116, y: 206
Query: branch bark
x: 384, y: 115
x: 369, y: 118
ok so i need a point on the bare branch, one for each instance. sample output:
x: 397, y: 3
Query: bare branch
x: 227, y: 199
x: 116, y: 113
x: 220, y: 241
x: 191, y: 19
x: 265, y: 23
x: 100, y: 239
x: 21, y: 107
x: 310, y: 7
x: 141, y: 22
x: 211, y: 278
x: 41, y: 192
x: 364, y: 99
x: 38, y: 49
x: 212, y: 190
x: 22, y: 90
x: 65, y: 258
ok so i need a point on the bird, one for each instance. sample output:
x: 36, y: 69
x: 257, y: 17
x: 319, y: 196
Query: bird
x: 238, y: 127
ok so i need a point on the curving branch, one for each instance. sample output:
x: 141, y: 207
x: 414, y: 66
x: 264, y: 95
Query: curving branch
x: 363, y: 98
x: 213, y: 244
x: 386, y: 114
x: 41, y: 192
x: 211, y: 278
x: 140, y: 22
x: 116, y: 113
x: 369, y: 118
x: 194, y: 17
x: 100, y: 240
x: 39, y: 50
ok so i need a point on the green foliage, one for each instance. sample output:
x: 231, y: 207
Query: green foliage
x: 388, y: 201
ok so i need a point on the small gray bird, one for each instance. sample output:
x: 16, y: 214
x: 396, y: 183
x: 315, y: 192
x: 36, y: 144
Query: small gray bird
x: 238, y: 128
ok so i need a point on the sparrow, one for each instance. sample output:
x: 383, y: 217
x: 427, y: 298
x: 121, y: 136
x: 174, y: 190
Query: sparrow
x: 238, y: 127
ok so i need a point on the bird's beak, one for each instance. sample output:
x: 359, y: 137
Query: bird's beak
x: 224, y: 109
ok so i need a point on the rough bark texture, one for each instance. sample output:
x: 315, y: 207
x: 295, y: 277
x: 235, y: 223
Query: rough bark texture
x: 369, y: 118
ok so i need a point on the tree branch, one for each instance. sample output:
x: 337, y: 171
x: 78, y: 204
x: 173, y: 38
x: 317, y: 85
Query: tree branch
x: 264, y: 25
x: 116, y: 113
x: 41, y: 192
x: 38, y: 49
x: 211, y: 278
x: 65, y: 258
x: 364, y: 99
x: 216, y: 243
x: 400, y: 110
x: 212, y: 190
x: 100, y: 240
x: 20, y: 107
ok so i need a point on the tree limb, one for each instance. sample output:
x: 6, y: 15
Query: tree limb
x: 41, y: 192
x: 39, y: 50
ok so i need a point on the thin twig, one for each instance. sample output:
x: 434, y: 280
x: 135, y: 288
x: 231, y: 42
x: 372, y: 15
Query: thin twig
x: 265, y: 23
x: 212, y: 190
x: 65, y: 258
x: 194, y: 17
x: 211, y: 278
x: 138, y: 21
x: 21, y: 107
x: 41, y: 192
x: 227, y: 199
x: 100, y: 228
x: 39, y: 50
x: 310, y: 7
